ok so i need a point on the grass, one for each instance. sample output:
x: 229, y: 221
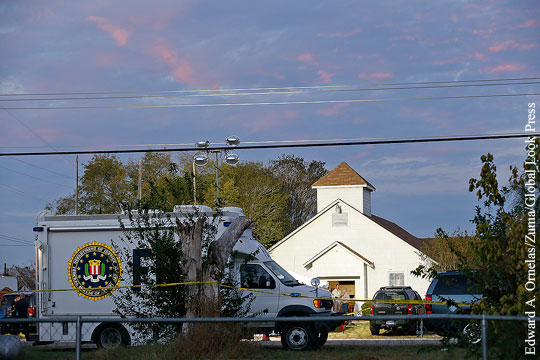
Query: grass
x: 360, y: 330
x: 257, y: 352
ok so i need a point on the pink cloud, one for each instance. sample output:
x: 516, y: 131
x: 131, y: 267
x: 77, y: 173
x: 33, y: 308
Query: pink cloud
x: 511, y: 44
x: 260, y: 121
x: 341, y: 34
x: 527, y: 24
x: 182, y: 69
x: 503, y: 46
x: 479, y: 56
x: 386, y: 75
x: 106, y: 59
x: 324, y: 77
x: 332, y: 110
x: 120, y: 35
x: 453, y: 18
x: 504, y: 68
x: 528, y: 46
x: 307, y: 58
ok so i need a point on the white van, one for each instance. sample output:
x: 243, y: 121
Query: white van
x: 77, y: 252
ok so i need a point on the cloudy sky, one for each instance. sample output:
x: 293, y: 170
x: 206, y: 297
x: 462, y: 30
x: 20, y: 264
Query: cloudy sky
x: 99, y: 46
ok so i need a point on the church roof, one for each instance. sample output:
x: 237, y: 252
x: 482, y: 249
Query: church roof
x: 342, y: 175
x: 400, y: 232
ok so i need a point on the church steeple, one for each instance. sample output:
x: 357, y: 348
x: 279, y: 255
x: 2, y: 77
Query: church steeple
x: 346, y: 184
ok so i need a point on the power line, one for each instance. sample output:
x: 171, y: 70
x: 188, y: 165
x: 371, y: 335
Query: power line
x: 15, y: 245
x: 14, y: 239
x: 269, y: 103
x: 32, y: 131
x: 35, y: 177
x: 298, y: 145
x: 289, y: 92
x: 270, y: 88
x: 42, y: 168
x: 20, y: 192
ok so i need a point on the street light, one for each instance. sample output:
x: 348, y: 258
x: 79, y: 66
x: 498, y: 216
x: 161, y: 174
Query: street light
x: 201, y: 159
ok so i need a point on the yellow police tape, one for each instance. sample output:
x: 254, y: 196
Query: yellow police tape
x: 4, y: 292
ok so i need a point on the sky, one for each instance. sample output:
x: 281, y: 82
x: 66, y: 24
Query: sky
x: 140, y: 46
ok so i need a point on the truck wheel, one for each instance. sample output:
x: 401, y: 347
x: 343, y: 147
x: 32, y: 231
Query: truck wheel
x: 319, y: 339
x: 374, y: 330
x: 297, y: 337
x: 112, y: 336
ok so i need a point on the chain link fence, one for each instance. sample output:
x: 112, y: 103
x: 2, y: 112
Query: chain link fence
x: 293, y: 333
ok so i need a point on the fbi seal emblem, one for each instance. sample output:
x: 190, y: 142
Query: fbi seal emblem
x: 94, y: 271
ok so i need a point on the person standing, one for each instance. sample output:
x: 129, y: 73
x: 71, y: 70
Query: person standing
x: 336, y: 294
x: 3, y: 315
x: 345, y: 302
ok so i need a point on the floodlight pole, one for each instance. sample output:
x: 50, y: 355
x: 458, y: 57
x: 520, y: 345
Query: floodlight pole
x: 202, y: 160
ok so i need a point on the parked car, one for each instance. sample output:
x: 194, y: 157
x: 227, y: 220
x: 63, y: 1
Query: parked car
x: 456, y: 288
x: 388, y: 308
x: 22, y: 307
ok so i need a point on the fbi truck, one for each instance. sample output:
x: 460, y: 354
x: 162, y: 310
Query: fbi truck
x: 77, y: 252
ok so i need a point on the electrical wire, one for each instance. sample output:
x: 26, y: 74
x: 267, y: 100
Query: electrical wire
x: 42, y: 168
x: 269, y: 103
x: 35, y: 177
x: 270, y: 88
x: 20, y: 192
x: 267, y: 92
x: 297, y: 145
x: 34, y: 133
x: 14, y: 239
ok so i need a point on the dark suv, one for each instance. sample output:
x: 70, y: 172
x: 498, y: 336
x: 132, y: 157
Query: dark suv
x: 387, y: 308
x: 455, y: 288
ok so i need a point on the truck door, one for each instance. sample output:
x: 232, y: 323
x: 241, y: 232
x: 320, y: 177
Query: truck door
x: 265, y: 300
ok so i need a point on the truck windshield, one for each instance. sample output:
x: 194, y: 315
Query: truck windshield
x: 281, y: 274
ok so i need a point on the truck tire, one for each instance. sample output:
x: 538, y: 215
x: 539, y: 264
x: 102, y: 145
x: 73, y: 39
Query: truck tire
x: 110, y: 336
x: 319, y: 339
x: 374, y: 329
x: 298, y: 336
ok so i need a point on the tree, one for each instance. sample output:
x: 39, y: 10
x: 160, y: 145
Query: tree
x: 253, y: 187
x: 296, y: 176
x: 501, y: 252
x: 444, y: 249
x: 107, y: 183
x: 153, y: 257
x: 102, y: 189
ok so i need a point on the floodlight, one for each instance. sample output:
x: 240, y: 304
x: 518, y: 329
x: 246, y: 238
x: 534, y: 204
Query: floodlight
x: 231, y: 159
x: 200, y: 159
x: 202, y: 144
x: 232, y: 141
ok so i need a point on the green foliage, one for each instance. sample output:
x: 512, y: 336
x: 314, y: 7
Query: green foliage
x: 498, y: 258
x: 162, y: 263
x: 296, y: 176
x: 449, y: 251
x: 278, y: 197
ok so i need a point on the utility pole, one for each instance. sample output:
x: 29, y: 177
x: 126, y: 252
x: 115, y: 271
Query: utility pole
x: 77, y: 185
x: 140, y: 179
x: 194, y: 184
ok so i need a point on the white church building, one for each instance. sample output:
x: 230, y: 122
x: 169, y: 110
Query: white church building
x: 345, y: 243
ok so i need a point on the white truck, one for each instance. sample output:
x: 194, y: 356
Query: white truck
x: 76, y: 252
